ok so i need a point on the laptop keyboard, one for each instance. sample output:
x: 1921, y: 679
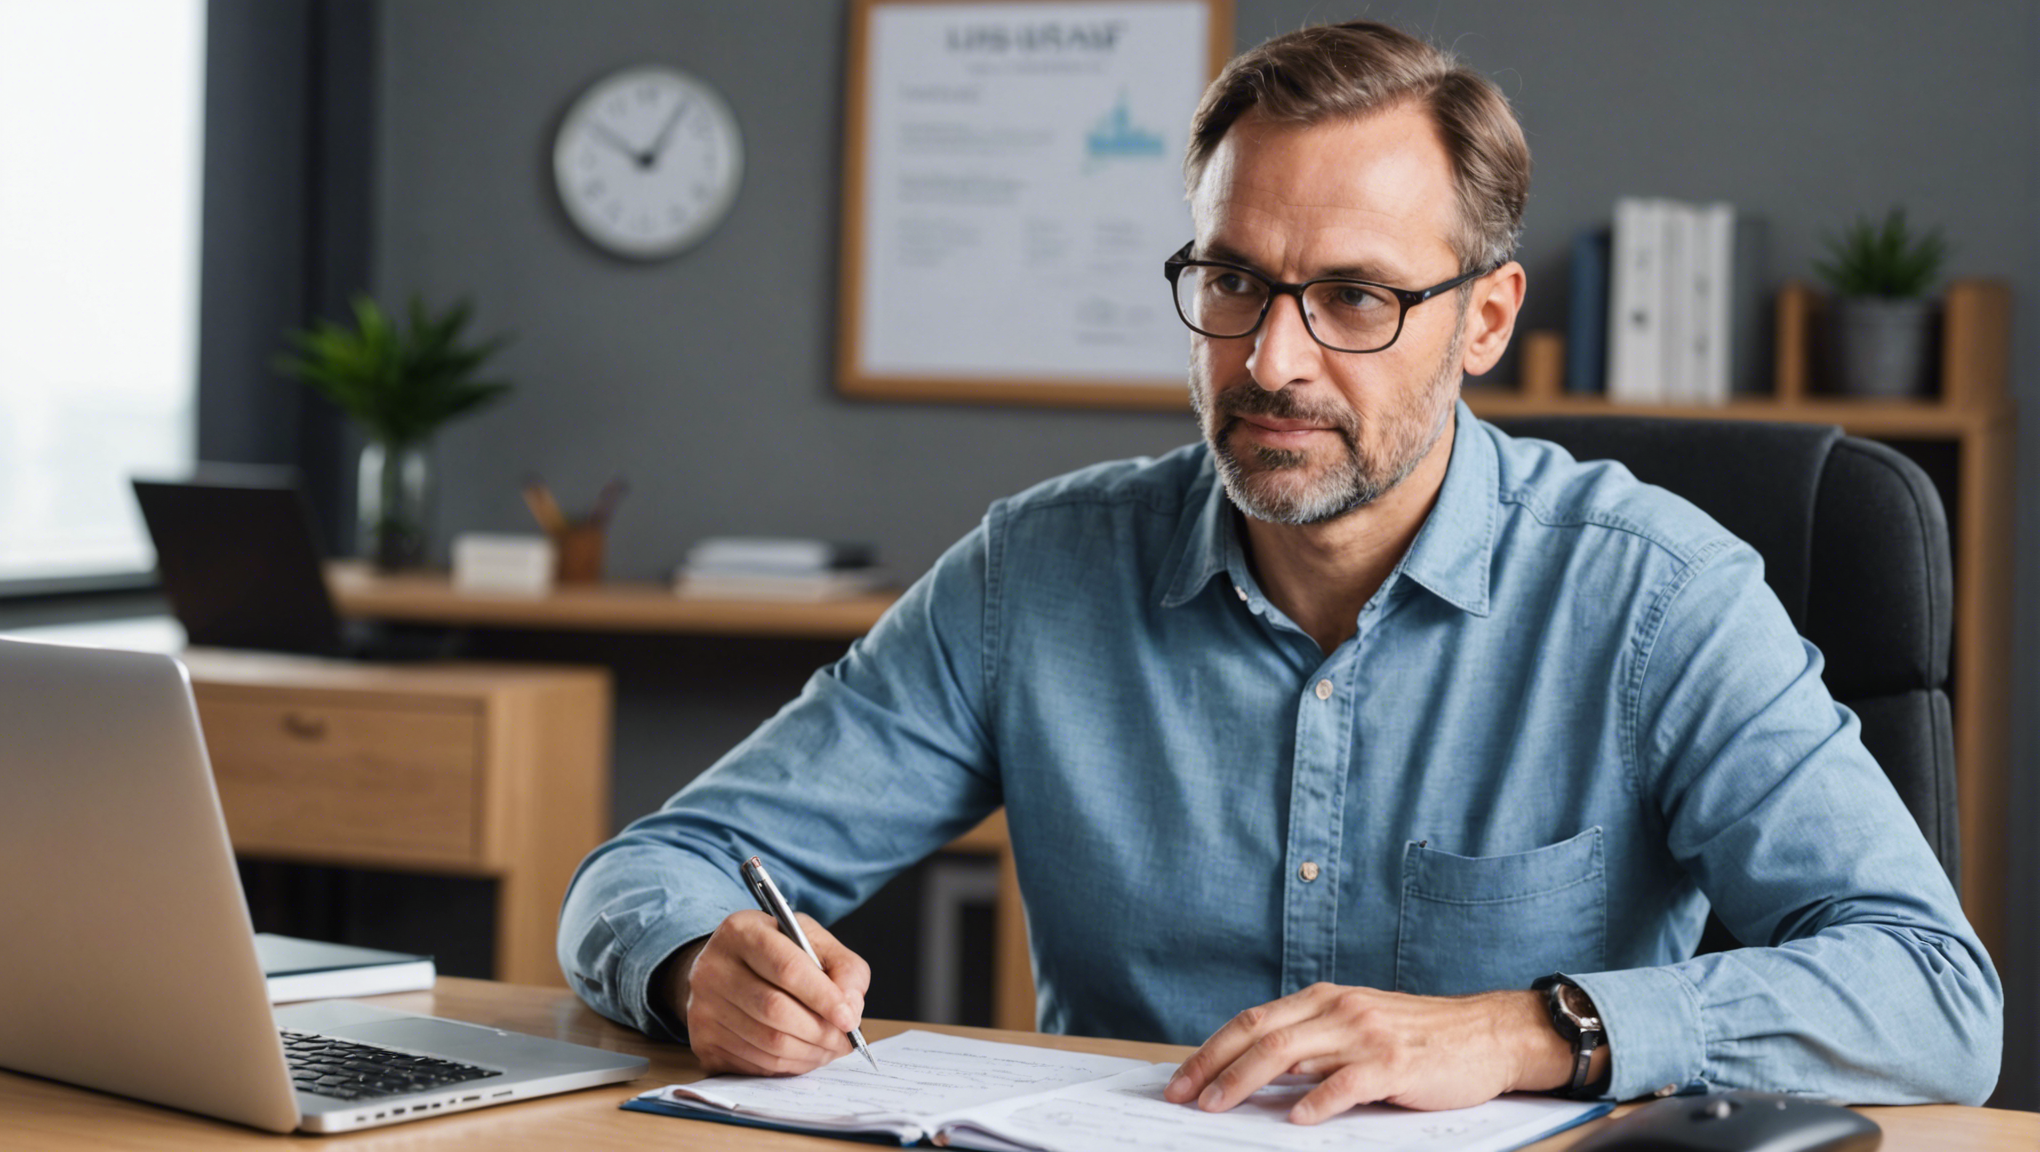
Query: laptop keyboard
x: 346, y: 1070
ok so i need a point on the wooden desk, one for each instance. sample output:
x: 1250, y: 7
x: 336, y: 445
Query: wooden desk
x: 614, y: 606
x: 57, y: 1117
x: 489, y: 770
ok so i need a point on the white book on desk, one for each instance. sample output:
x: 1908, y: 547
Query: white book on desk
x: 811, y: 587
x: 777, y: 554
x: 314, y: 970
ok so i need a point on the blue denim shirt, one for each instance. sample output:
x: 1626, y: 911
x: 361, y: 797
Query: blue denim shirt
x: 1571, y: 720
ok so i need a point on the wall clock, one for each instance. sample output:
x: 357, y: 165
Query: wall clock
x: 648, y: 161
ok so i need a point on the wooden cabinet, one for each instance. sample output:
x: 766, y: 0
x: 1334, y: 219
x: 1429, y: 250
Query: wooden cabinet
x: 1966, y: 437
x: 308, y: 773
x: 495, y: 771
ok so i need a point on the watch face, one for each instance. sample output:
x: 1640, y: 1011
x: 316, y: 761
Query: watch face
x: 648, y: 161
x: 1579, y: 1006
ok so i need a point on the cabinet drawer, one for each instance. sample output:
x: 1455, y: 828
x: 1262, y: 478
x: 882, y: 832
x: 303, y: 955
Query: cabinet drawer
x: 310, y: 778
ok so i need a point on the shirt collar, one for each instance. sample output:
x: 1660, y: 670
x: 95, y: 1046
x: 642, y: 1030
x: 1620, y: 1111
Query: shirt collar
x: 1454, y: 549
x: 1450, y: 556
x: 1203, y: 540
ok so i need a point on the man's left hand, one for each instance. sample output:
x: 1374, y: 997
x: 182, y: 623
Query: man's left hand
x: 1426, y: 1052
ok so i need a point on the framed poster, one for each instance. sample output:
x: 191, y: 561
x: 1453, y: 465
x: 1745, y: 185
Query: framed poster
x: 1012, y: 184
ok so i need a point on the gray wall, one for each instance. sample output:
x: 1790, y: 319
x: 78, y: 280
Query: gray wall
x: 707, y: 378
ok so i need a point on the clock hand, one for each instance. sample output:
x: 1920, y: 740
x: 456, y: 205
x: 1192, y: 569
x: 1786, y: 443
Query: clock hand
x: 658, y: 147
x: 641, y: 159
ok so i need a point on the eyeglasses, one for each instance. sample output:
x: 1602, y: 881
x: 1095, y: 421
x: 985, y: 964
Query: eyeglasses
x: 1228, y: 301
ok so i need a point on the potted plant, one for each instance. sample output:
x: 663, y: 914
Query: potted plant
x: 400, y: 382
x: 1880, y: 331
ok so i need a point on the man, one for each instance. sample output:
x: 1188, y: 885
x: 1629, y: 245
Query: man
x: 1321, y: 741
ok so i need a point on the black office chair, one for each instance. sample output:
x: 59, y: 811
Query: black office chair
x: 1855, y: 543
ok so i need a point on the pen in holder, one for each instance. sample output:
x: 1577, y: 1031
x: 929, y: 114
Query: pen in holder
x: 578, y: 543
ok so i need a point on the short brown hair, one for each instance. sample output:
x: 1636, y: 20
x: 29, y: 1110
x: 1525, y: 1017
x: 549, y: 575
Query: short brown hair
x: 1348, y: 70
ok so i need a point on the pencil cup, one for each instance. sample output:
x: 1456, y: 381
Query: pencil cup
x: 579, y: 549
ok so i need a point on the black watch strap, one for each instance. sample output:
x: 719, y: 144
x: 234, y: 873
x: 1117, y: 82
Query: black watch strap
x: 1575, y: 1019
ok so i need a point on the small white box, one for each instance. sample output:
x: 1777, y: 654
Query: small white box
x: 490, y: 562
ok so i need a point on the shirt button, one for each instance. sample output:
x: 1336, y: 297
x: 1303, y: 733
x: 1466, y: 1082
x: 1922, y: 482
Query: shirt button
x: 1239, y: 591
x: 1308, y: 871
x: 1324, y: 689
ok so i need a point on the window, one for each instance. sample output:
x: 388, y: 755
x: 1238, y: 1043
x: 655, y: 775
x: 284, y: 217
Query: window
x: 101, y: 152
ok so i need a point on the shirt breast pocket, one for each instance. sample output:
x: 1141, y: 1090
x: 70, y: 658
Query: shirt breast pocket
x: 1478, y: 923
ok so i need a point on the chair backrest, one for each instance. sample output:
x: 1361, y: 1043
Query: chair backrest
x: 1855, y: 543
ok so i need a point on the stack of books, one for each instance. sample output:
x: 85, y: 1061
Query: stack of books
x: 1674, y: 296
x: 767, y: 568
x: 314, y: 970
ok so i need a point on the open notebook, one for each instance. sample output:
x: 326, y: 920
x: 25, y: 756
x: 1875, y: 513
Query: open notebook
x: 965, y: 1093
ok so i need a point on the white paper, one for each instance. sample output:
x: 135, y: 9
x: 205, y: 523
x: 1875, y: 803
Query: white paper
x: 1128, y: 1110
x: 1022, y: 186
x: 921, y: 1076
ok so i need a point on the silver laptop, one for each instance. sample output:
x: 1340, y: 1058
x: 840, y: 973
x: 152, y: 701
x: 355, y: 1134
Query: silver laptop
x: 129, y: 963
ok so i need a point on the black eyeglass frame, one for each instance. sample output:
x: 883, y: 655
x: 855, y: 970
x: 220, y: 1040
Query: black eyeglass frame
x: 1172, y: 270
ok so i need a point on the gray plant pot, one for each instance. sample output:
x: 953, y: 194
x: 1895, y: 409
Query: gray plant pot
x: 1882, y: 347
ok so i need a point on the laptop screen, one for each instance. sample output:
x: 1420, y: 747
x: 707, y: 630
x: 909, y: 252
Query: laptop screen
x: 240, y: 561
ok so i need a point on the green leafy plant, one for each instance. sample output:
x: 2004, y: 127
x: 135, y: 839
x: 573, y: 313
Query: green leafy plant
x: 399, y: 381
x: 1873, y: 259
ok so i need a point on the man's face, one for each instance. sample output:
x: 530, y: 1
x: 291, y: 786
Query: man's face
x: 1303, y: 434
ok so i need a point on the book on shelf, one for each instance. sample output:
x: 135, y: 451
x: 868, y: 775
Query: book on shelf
x: 961, y: 1092
x: 315, y: 970
x: 1634, y: 308
x: 1586, y: 341
x: 1685, y: 309
x: 1678, y: 238
x: 1708, y: 369
x: 1750, y: 333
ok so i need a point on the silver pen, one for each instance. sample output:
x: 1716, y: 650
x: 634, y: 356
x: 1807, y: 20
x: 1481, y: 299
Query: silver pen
x: 767, y: 894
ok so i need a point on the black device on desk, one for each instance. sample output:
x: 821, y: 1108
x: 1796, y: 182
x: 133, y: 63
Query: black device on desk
x: 239, y: 556
x: 1736, y: 1122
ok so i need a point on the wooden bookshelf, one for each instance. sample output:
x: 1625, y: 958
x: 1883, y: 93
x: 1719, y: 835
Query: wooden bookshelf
x: 1973, y: 415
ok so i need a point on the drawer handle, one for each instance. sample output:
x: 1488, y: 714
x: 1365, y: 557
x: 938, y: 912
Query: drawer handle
x: 304, y: 727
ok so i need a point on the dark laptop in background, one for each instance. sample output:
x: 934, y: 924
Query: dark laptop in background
x: 238, y: 551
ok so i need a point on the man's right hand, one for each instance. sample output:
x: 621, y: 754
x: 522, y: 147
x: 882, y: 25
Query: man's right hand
x: 754, y: 1003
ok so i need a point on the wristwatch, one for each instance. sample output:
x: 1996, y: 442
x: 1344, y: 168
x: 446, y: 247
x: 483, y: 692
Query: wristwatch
x: 1574, y: 1016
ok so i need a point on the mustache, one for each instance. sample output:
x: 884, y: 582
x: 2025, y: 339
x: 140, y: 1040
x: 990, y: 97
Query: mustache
x: 1254, y: 400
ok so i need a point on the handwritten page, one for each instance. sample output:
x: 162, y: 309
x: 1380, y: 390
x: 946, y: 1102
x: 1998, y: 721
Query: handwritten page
x: 1128, y: 1110
x: 922, y: 1076
x: 980, y: 1094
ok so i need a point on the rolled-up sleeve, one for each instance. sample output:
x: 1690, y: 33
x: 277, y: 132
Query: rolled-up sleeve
x: 1863, y: 980
x: 881, y: 759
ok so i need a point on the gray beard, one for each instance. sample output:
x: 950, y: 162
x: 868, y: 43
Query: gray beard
x: 1350, y: 483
